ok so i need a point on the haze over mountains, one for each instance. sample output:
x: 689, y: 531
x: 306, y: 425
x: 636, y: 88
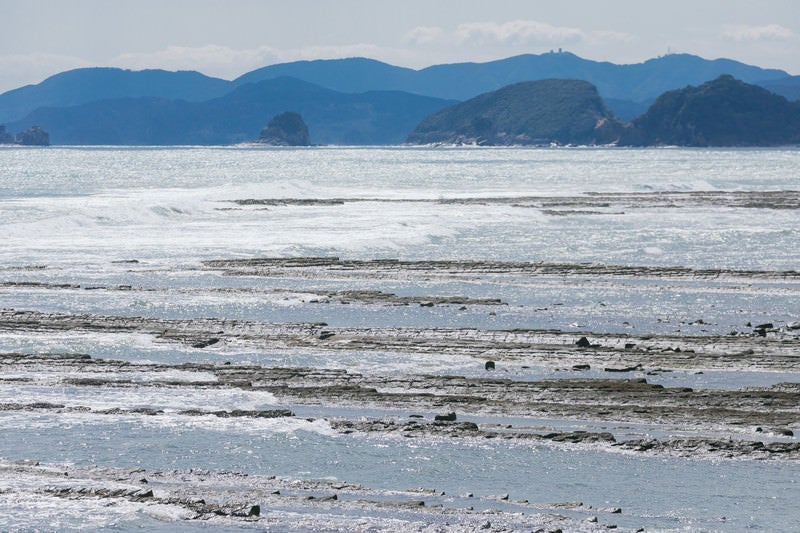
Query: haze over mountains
x: 344, y: 101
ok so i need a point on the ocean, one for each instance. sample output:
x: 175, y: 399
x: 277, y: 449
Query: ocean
x: 320, y: 259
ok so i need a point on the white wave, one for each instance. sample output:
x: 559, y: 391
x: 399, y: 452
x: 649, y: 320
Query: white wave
x: 129, y: 397
x: 174, y: 203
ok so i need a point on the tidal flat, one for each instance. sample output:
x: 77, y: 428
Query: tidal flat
x: 399, y: 339
x: 232, y: 408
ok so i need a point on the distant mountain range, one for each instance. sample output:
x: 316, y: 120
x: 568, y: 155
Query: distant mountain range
x: 628, y: 85
x: 377, y: 117
x: 81, y: 86
x: 343, y: 101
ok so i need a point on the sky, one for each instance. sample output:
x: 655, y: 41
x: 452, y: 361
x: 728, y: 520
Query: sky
x: 226, y: 38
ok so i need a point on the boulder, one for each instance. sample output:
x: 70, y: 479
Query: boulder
x: 206, y: 343
x: 583, y: 342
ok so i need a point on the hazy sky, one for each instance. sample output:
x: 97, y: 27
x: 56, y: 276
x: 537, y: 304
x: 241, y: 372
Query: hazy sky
x: 227, y: 38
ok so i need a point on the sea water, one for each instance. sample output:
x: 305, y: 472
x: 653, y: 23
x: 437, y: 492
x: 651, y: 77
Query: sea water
x: 83, y: 206
x: 69, y: 215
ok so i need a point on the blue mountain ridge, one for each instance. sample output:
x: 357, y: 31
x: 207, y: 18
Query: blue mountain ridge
x: 156, y: 101
x: 80, y: 86
x: 639, y: 83
x: 375, y: 117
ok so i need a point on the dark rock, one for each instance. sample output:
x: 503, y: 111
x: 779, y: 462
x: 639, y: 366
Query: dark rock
x: 579, y: 437
x: 326, y: 335
x: 583, y: 342
x: 449, y: 417
x: 761, y: 329
x: 246, y: 512
x: 45, y: 405
x: 624, y: 369
x: 581, y: 367
x: 206, y: 343
x: 489, y: 365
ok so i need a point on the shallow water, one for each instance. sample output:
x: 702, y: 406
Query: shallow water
x: 69, y: 215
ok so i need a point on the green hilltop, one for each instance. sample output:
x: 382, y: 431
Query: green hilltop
x: 527, y: 113
x: 721, y: 112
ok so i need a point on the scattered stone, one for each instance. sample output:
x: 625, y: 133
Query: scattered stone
x: 489, y: 365
x: 206, y: 343
x: 583, y: 342
x: 581, y: 367
x: 247, y: 512
x: 762, y: 329
x: 449, y: 417
x: 624, y: 369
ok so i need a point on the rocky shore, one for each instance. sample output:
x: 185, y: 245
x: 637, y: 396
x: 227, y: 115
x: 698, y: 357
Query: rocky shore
x: 619, y: 391
x: 230, y: 499
x: 601, y: 202
x: 744, y: 417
